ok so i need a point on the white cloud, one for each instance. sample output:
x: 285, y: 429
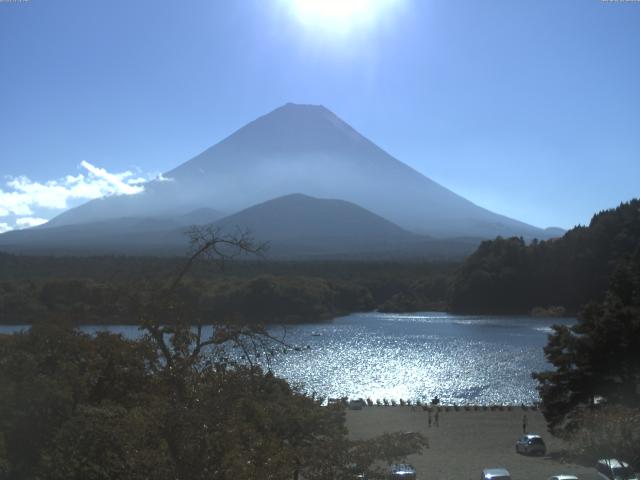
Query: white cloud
x: 137, y: 181
x: 25, y: 195
x: 5, y: 227
x: 26, y: 222
x: 116, y: 180
x: 161, y: 178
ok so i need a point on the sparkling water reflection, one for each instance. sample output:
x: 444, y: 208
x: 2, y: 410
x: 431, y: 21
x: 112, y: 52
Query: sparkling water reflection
x: 462, y: 359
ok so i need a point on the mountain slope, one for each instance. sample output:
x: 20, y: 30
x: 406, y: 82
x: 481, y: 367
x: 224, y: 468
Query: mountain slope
x: 308, y: 149
x: 132, y: 235
x: 294, y: 227
x: 299, y: 225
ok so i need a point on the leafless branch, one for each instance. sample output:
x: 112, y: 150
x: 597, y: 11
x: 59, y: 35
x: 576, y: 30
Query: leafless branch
x: 206, y: 243
x: 211, y: 243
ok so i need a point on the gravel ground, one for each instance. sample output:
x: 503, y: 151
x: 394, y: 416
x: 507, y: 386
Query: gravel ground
x: 466, y: 442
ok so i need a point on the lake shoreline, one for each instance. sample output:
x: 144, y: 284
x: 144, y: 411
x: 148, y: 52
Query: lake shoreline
x: 317, y: 321
x: 464, y: 360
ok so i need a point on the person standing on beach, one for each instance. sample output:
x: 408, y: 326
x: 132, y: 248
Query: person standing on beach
x: 524, y: 424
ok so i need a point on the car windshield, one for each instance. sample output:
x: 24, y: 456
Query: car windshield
x: 536, y: 441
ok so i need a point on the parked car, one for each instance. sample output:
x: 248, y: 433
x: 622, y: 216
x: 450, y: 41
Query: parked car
x: 357, y: 404
x: 614, y: 469
x: 356, y: 472
x: 402, y: 471
x: 531, y: 444
x: 495, y: 474
x: 563, y: 477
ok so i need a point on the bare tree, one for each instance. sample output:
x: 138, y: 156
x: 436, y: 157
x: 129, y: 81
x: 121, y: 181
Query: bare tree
x: 171, y: 316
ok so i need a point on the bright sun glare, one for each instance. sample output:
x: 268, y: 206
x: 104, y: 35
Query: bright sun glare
x: 340, y: 15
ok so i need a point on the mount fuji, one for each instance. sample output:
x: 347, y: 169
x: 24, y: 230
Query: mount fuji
x: 295, y: 149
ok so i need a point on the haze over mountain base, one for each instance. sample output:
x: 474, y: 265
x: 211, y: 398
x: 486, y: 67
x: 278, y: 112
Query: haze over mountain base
x: 378, y: 204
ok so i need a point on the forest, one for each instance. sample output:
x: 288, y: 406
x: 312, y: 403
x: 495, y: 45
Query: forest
x: 88, y: 290
x: 503, y: 276
x: 507, y: 275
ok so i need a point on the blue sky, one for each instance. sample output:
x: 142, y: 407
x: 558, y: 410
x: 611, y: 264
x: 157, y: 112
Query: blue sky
x: 528, y: 108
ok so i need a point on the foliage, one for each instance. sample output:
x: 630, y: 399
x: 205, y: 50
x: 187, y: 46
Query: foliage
x: 599, y: 356
x: 169, y: 406
x: 109, y: 293
x: 612, y: 431
x: 48, y: 374
x: 289, y: 299
x: 428, y: 293
x: 509, y: 276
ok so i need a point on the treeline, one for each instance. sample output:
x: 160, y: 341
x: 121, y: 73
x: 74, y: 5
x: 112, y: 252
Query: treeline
x: 116, y: 268
x: 504, y: 276
x: 111, y: 289
x: 508, y: 276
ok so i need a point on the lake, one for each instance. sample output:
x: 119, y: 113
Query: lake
x: 461, y: 359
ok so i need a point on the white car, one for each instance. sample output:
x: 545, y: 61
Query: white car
x: 495, y: 474
x: 614, y: 469
x: 402, y: 471
x: 563, y: 477
x: 531, y: 444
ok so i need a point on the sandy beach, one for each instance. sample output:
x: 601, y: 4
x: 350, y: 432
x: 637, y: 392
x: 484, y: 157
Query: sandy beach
x: 466, y: 442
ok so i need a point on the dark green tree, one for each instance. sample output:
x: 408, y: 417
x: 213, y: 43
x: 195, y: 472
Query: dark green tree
x: 177, y: 404
x: 511, y: 276
x: 598, y: 357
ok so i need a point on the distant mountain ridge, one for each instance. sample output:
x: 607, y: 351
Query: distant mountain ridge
x: 306, y: 149
x: 293, y: 226
x: 130, y: 235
